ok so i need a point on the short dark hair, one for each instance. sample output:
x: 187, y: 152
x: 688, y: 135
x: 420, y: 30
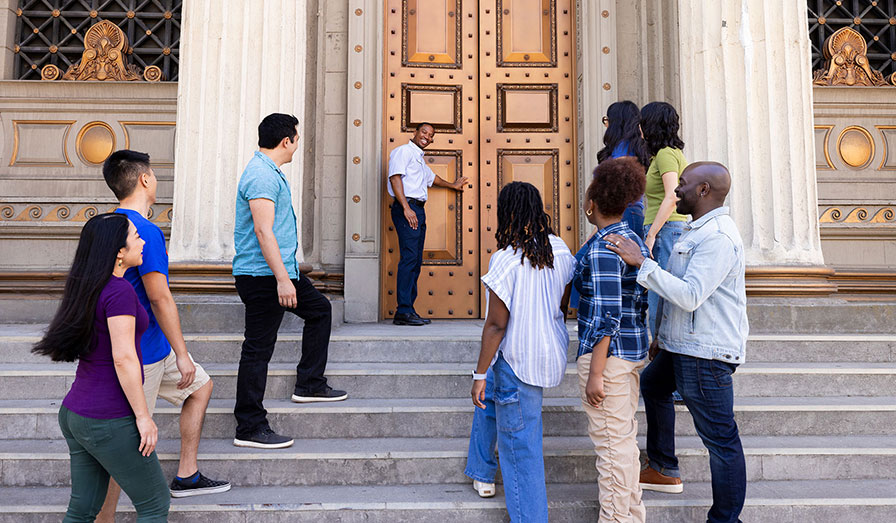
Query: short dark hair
x: 121, y: 170
x: 617, y: 183
x: 660, y: 125
x: 421, y: 124
x: 275, y: 127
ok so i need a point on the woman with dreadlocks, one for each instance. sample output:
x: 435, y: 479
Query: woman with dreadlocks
x: 524, y: 344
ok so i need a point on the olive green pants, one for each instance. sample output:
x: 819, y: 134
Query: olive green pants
x: 103, y: 447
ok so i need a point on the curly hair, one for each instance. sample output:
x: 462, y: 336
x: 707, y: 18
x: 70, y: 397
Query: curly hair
x: 617, y: 183
x: 622, y: 126
x: 660, y: 125
x: 523, y: 224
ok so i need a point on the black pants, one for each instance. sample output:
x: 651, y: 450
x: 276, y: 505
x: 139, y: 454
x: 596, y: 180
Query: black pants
x: 263, y: 317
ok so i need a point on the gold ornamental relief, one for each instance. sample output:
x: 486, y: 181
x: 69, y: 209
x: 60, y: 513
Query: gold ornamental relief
x: 104, y: 58
x: 846, y: 61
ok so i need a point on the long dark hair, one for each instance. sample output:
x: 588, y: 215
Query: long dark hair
x: 523, y: 224
x: 660, y: 124
x: 70, y: 333
x: 622, y: 126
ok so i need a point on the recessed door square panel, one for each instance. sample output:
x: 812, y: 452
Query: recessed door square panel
x: 540, y: 167
x: 431, y: 33
x: 444, y: 219
x: 526, y: 33
x: 525, y: 108
x: 439, y: 105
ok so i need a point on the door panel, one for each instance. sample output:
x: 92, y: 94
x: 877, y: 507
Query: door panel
x: 496, y: 79
x: 527, y: 110
x: 431, y: 75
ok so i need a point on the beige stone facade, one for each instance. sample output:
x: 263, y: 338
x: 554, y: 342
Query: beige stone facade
x: 740, y: 78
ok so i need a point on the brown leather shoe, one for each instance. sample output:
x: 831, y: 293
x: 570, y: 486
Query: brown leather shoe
x: 654, y: 480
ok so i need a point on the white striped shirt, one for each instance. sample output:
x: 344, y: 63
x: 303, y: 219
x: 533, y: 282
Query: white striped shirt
x: 536, y: 340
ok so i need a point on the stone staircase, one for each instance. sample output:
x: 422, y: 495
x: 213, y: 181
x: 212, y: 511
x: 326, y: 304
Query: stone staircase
x: 816, y: 405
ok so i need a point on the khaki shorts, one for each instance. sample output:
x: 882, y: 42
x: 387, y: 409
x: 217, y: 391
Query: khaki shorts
x: 160, y: 381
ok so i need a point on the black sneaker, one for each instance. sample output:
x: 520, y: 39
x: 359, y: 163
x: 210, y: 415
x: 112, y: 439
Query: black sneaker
x: 264, y: 439
x: 203, y: 485
x: 327, y: 394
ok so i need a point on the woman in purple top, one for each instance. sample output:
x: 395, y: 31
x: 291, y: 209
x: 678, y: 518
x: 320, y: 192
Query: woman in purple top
x: 104, y: 417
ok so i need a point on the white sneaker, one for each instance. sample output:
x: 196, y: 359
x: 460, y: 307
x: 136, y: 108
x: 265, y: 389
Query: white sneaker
x: 485, y: 490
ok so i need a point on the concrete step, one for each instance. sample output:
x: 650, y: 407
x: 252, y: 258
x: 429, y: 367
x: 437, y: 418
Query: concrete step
x: 400, y: 461
x: 424, y: 418
x: 458, y: 342
x: 225, y: 313
x: 767, y: 501
x: 452, y: 380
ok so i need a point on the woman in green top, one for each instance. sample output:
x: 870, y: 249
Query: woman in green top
x: 662, y: 225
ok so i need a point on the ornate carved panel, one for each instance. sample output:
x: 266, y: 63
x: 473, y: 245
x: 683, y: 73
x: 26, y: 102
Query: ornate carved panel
x: 527, y: 108
x: 858, y: 215
x: 526, y: 33
x: 874, y: 21
x: 154, y: 138
x: 40, y: 143
x: 445, y: 223
x: 76, y: 212
x: 855, y: 146
x: 431, y: 33
x: 888, y: 141
x: 439, y: 105
x: 822, y: 157
x: 846, y: 61
x: 536, y: 166
x: 52, y: 32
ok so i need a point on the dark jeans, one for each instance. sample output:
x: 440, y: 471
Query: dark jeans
x: 263, y: 317
x: 100, y: 448
x: 634, y: 217
x: 410, y: 243
x: 707, y: 390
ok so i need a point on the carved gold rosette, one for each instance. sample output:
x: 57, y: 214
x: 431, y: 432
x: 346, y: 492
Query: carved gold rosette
x: 846, y: 61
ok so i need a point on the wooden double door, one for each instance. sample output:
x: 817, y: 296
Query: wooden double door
x: 496, y: 78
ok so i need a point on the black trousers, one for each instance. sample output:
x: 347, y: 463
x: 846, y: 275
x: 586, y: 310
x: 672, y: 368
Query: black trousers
x: 263, y: 317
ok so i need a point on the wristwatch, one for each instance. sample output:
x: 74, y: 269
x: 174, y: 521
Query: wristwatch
x: 477, y: 377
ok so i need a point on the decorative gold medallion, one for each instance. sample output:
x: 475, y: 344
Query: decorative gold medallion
x: 846, y: 61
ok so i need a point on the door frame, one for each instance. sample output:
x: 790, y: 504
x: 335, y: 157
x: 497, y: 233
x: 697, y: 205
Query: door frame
x: 596, y: 28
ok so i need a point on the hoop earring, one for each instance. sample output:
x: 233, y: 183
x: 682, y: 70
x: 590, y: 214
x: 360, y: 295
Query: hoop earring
x: 589, y: 212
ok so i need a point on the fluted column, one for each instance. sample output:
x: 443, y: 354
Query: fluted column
x: 746, y: 91
x: 239, y: 61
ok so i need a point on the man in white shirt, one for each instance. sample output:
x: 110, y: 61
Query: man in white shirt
x: 409, y: 179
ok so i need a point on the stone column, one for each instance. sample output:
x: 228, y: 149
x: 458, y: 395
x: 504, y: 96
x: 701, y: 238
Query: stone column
x: 239, y: 61
x: 746, y: 101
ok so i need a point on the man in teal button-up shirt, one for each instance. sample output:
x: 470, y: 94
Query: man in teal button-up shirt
x: 269, y: 284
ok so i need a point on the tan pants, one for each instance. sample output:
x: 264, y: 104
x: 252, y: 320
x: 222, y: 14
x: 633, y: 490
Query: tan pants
x: 613, y: 428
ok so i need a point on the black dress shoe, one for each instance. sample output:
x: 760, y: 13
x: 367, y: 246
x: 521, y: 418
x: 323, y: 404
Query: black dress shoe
x: 408, y: 319
x: 426, y: 321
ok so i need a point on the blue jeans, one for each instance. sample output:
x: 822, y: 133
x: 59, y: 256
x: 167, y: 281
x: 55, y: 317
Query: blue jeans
x: 512, y: 419
x: 662, y: 249
x: 410, y: 244
x: 706, y: 387
x: 634, y: 217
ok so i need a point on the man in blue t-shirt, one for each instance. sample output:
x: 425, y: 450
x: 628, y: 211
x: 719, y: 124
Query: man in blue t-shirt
x: 169, y: 370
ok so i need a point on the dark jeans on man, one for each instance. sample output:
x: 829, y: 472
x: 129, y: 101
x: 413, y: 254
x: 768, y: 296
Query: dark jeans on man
x: 263, y: 317
x: 410, y: 243
x: 706, y: 387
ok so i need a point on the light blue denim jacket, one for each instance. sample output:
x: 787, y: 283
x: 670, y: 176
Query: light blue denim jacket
x: 704, y: 300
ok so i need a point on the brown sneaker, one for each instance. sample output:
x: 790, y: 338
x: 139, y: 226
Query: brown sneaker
x: 654, y: 480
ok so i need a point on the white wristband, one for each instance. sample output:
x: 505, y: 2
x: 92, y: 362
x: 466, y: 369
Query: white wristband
x: 477, y: 377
